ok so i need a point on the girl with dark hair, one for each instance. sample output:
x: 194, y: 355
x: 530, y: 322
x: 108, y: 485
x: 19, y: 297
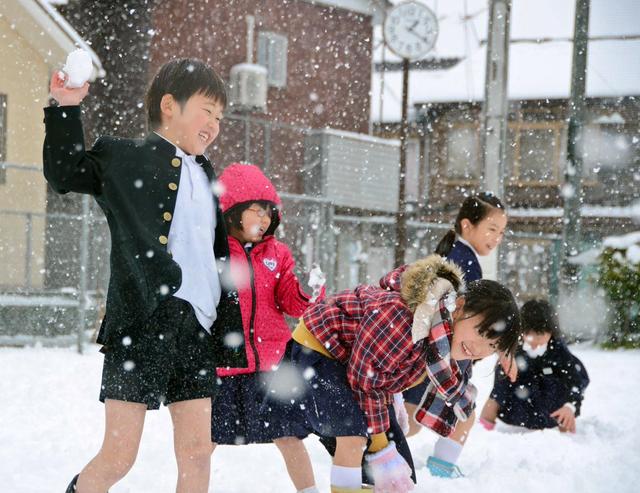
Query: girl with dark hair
x: 551, y: 381
x: 479, y: 228
x: 352, y: 352
x: 262, y: 269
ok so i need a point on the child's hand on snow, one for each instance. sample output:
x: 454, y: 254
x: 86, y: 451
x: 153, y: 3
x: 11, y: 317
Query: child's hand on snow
x: 66, y: 96
x: 390, y: 471
x: 566, y: 419
x: 509, y: 366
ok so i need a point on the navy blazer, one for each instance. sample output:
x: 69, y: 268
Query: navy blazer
x: 465, y: 258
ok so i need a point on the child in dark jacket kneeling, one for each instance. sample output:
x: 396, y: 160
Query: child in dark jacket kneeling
x: 551, y: 381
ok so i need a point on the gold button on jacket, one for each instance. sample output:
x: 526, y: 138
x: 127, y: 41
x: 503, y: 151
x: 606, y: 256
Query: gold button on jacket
x: 167, y: 216
x: 176, y: 162
x: 163, y: 240
x: 173, y: 186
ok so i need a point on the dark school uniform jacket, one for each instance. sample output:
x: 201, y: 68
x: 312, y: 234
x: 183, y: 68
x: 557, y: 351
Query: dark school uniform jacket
x: 135, y: 183
x: 544, y: 384
x: 465, y: 258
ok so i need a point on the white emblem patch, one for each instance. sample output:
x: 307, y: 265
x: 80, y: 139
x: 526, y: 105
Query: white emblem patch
x: 270, y: 263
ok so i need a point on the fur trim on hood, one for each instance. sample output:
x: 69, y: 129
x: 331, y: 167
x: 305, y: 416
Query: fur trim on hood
x: 420, y: 279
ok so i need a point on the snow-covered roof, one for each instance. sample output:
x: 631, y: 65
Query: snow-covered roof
x: 374, y: 8
x: 628, y: 211
x: 47, y: 31
x: 539, y: 56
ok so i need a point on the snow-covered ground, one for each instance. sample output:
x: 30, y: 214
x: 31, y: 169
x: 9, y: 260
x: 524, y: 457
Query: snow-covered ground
x: 51, y: 424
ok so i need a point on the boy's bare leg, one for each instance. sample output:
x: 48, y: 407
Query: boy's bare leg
x: 349, y: 451
x: 414, y: 427
x: 124, y: 422
x: 297, y: 460
x: 192, y: 444
x: 490, y: 410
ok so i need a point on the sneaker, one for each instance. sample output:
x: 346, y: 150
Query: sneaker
x: 443, y: 469
x: 72, y: 485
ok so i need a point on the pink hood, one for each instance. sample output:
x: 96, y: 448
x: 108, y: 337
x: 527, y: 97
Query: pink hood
x: 245, y: 183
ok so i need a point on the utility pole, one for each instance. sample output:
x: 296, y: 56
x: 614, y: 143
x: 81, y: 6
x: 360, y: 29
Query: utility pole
x: 495, y: 108
x: 572, y: 189
x: 401, y: 215
x: 495, y: 114
x: 410, y: 30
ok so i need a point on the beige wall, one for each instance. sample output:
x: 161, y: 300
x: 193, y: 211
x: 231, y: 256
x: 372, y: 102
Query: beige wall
x: 24, y: 79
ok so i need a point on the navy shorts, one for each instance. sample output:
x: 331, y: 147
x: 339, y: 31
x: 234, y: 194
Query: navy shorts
x: 315, y: 394
x: 170, y: 359
x: 238, y: 416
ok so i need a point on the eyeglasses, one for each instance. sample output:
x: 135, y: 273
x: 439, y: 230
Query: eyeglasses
x: 261, y: 212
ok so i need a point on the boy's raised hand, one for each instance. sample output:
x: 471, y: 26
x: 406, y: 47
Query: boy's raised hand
x: 66, y: 96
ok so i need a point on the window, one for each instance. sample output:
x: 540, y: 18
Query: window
x: 533, y: 151
x: 462, y: 152
x: 272, y: 54
x: 609, y: 147
x: 537, y: 159
x: 3, y: 137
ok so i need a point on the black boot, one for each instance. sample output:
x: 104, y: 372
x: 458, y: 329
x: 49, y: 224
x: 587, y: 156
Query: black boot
x: 72, y: 485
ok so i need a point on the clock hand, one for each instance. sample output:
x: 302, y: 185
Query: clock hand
x: 418, y: 36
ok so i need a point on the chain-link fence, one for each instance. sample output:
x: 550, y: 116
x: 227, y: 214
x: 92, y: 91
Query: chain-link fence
x: 54, y: 266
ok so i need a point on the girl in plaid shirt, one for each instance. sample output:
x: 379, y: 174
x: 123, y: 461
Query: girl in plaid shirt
x: 478, y: 230
x: 351, y: 352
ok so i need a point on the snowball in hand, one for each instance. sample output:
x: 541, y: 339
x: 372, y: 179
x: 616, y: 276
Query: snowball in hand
x: 78, y: 68
x: 316, y: 277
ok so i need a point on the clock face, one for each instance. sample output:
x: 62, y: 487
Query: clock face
x: 410, y: 29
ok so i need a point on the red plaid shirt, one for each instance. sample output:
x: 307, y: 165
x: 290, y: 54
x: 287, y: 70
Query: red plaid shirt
x: 369, y: 330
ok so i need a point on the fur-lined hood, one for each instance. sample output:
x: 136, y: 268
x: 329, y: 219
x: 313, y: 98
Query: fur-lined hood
x: 420, y: 279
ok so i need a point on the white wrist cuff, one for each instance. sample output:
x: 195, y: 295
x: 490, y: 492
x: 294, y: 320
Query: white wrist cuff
x: 379, y: 453
x: 571, y: 406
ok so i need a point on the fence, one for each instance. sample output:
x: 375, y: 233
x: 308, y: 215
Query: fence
x: 54, y: 266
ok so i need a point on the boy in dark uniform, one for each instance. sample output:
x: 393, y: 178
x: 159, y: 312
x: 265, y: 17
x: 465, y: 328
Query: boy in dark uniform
x: 170, y: 320
x: 551, y: 382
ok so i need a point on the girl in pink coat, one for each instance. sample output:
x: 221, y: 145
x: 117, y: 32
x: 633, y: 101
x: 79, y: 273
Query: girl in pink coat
x: 262, y: 269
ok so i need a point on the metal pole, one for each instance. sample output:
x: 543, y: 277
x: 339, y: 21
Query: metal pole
x: 495, y: 114
x: 401, y: 215
x: 572, y: 189
x: 84, y: 266
x: 495, y: 110
x: 247, y: 141
x: 28, y: 250
x: 267, y: 147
